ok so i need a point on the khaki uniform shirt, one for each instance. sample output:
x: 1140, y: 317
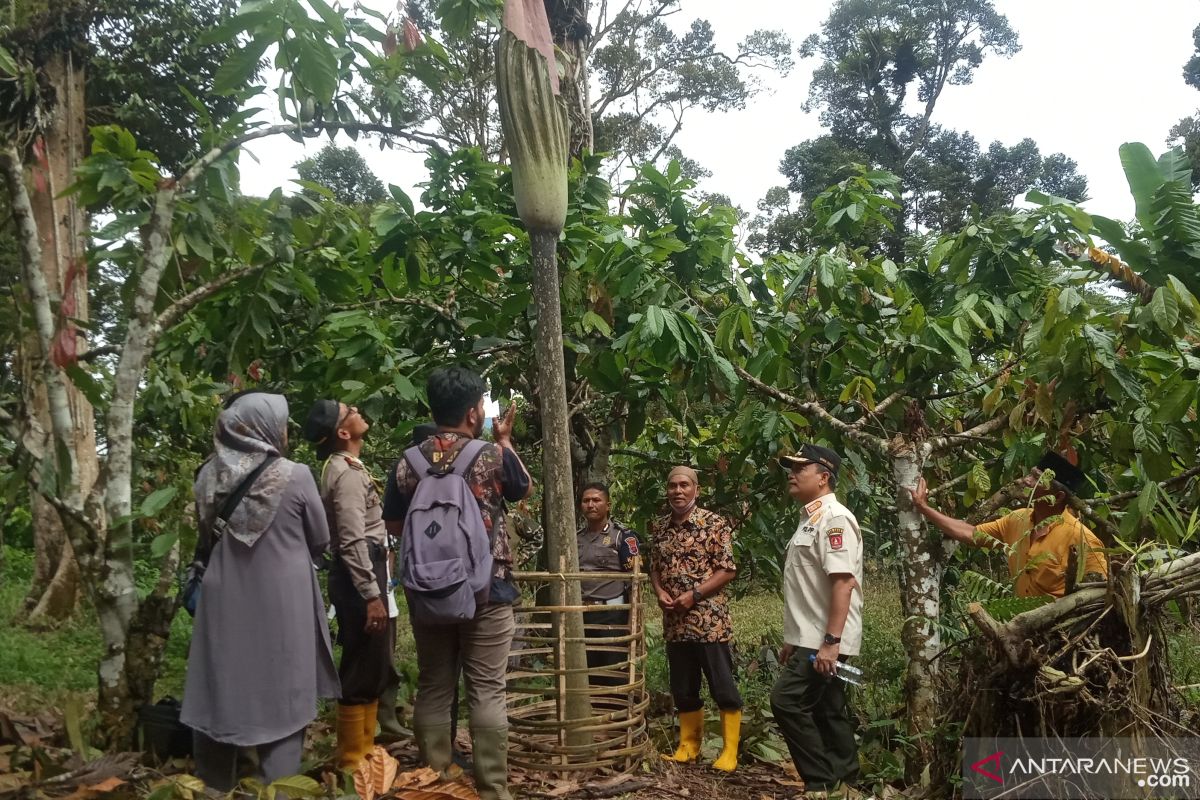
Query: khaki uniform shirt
x: 354, y: 511
x: 1039, y: 563
x: 610, y: 550
x: 827, y: 542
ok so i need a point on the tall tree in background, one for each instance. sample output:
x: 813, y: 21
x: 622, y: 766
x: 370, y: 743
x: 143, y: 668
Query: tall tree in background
x: 343, y: 171
x: 98, y: 62
x: 883, y: 67
x: 1186, y: 132
x: 629, y: 78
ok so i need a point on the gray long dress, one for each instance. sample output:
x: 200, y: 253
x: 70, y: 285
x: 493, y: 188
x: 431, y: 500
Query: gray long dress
x: 260, y: 655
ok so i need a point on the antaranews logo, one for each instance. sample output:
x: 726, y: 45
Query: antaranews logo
x: 1080, y: 768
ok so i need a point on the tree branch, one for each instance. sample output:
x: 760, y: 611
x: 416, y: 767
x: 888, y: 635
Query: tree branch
x: 170, y: 315
x: 954, y: 440
x: 1123, y: 496
x: 1008, y: 365
x: 874, y: 443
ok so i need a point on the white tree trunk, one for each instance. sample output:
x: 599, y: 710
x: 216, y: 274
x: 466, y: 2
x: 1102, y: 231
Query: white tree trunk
x: 921, y: 585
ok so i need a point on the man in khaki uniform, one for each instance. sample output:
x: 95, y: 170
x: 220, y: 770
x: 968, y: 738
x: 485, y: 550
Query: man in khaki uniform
x: 823, y: 599
x: 605, y: 545
x: 358, y: 578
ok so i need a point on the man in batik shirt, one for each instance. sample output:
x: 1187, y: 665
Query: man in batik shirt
x: 691, y: 562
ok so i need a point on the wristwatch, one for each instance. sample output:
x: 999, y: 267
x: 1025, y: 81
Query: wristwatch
x: 696, y: 595
x: 831, y: 639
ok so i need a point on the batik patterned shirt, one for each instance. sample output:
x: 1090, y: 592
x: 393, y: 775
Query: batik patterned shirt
x: 685, y: 555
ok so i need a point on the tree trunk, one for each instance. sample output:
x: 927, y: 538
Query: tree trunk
x: 920, y: 587
x: 62, y: 227
x: 571, y: 32
x: 558, y: 494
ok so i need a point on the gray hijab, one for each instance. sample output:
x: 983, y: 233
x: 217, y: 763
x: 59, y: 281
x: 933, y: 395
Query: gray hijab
x: 252, y: 428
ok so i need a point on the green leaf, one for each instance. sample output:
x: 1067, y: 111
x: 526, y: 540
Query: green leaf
x: 960, y: 351
x: 1177, y: 397
x: 332, y: 19
x: 8, y: 65
x: 1165, y: 308
x: 594, y: 322
x: 405, y: 387
x: 652, y: 324
x: 162, y: 544
x: 1148, y: 498
x: 157, y: 500
x: 240, y: 67
x: 87, y: 384
x: 316, y: 68
x: 1144, y: 176
x: 889, y: 270
x: 297, y: 786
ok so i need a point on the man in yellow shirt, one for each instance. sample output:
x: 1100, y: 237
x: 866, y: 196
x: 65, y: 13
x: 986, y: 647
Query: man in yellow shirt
x: 1039, y: 539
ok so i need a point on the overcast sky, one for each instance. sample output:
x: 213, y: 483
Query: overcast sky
x: 1090, y: 76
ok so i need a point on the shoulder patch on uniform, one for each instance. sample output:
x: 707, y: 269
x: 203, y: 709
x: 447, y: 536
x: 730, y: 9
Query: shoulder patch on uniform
x: 832, y: 531
x: 353, y: 463
x: 632, y: 543
x: 835, y: 539
x: 813, y: 506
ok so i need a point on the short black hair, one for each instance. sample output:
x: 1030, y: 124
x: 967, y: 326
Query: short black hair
x: 599, y: 486
x: 453, y: 391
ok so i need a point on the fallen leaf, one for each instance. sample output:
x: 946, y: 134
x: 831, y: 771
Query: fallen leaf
x: 103, y: 787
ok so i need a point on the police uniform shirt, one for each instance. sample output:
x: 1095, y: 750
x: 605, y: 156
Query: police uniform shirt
x: 353, y: 507
x: 608, y: 550
x: 827, y: 542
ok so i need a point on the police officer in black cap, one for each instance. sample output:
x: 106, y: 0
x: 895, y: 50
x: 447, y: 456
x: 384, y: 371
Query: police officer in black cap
x: 823, y: 601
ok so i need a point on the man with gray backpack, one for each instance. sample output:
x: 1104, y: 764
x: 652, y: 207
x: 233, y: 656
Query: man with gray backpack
x: 446, y: 502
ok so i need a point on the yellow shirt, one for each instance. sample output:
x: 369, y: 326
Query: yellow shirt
x: 1040, y: 563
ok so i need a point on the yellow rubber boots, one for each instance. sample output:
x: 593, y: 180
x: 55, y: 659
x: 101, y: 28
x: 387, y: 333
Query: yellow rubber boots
x: 731, y: 730
x: 352, y: 744
x: 691, y: 734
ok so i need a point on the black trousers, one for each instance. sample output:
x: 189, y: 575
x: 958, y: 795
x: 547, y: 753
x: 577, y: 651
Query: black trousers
x: 599, y: 659
x: 687, y: 661
x: 366, y: 667
x: 811, y: 711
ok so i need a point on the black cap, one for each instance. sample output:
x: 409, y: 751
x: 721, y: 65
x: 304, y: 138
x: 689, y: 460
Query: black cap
x: 813, y: 454
x: 1065, y: 472
x: 321, y: 425
x: 422, y: 432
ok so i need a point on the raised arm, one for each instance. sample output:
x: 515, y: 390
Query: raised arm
x: 950, y: 527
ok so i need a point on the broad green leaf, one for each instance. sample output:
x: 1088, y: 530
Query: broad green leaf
x: 889, y: 270
x: 1165, y: 308
x: 332, y: 19
x: 1174, y: 401
x: 1144, y: 177
x: 240, y: 67
x: 594, y: 322
x: 960, y: 351
x: 1148, y: 498
x: 162, y: 544
x: 157, y: 500
x: 298, y: 786
x: 8, y: 65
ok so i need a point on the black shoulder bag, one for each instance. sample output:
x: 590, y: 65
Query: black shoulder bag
x: 190, y: 591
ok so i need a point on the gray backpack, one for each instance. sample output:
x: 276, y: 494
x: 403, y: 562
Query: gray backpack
x: 445, y: 553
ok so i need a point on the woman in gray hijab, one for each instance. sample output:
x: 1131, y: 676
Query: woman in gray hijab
x: 260, y: 656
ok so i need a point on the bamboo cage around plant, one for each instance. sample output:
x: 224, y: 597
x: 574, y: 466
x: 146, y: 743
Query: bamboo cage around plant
x: 541, y: 738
